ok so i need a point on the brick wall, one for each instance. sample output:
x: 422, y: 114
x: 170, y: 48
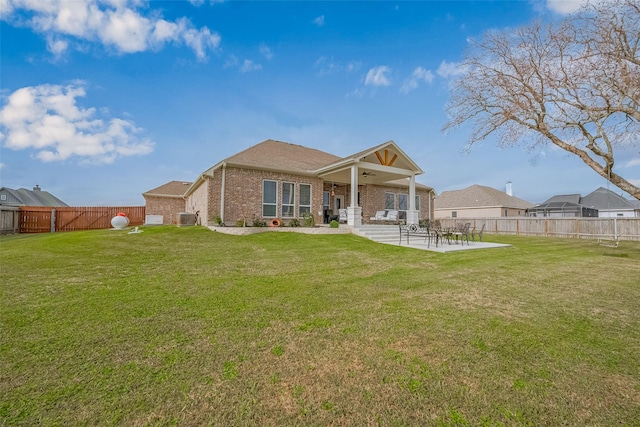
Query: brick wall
x: 243, y: 194
x: 372, y: 199
x: 168, y: 207
x: 198, y: 201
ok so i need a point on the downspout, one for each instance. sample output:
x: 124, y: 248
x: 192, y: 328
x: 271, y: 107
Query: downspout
x: 430, y: 198
x: 222, y: 188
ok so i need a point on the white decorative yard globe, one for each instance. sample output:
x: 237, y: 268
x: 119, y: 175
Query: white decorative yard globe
x: 119, y: 222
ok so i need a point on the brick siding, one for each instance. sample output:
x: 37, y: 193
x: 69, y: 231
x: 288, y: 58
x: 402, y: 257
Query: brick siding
x: 168, y: 207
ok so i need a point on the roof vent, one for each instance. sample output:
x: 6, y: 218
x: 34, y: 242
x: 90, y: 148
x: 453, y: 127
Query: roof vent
x: 36, y: 188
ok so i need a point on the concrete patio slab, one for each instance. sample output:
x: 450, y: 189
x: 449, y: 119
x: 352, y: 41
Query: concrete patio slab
x: 445, y: 248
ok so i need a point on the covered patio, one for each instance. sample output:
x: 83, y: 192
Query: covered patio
x: 379, y: 165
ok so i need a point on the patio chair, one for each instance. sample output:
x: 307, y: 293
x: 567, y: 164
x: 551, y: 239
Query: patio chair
x: 461, y: 232
x: 380, y: 216
x: 343, y: 215
x: 475, y: 233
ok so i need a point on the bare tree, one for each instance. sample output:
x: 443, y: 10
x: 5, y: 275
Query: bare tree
x: 575, y: 84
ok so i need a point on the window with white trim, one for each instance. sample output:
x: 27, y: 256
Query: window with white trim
x: 304, y: 206
x: 417, y: 202
x: 403, y: 202
x: 288, y: 199
x: 389, y: 200
x: 269, y: 198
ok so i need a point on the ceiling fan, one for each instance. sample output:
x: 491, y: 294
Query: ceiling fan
x: 366, y: 174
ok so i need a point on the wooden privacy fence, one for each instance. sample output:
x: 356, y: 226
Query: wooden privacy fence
x: 9, y: 219
x: 39, y: 219
x: 581, y: 228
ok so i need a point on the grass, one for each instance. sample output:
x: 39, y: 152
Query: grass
x: 184, y: 326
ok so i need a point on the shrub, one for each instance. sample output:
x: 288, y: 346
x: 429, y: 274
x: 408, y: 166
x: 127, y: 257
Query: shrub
x: 241, y: 223
x: 334, y: 224
x: 308, y: 220
x: 259, y: 223
x: 294, y: 223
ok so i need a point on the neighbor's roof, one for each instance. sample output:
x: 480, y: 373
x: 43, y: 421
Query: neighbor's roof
x: 603, y: 199
x: 478, y: 196
x: 170, y: 189
x: 33, y: 197
x: 281, y: 156
x: 563, y: 198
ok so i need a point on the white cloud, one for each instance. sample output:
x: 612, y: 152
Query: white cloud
x: 570, y: 6
x: 319, y: 21
x: 418, y: 75
x: 232, y: 61
x: 565, y: 6
x: 46, y: 119
x: 266, y: 51
x: 329, y: 66
x: 632, y: 163
x: 378, y: 76
x: 249, y: 65
x: 116, y: 24
x: 448, y: 69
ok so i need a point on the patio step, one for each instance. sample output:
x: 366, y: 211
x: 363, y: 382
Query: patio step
x: 380, y: 233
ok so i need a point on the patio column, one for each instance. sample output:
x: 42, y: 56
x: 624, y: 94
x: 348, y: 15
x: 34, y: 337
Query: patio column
x: 413, y: 216
x: 354, y: 212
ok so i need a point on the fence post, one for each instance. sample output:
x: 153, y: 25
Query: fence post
x: 53, y: 220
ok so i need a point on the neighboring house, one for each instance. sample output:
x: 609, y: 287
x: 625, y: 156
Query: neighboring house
x: 278, y: 180
x: 166, y: 201
x: 478, y: 201
x: 24, y: 197
x: 610, y: 204
x: 566, y: 205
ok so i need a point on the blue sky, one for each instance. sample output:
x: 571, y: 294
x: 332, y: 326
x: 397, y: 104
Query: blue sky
x: 104, y: 100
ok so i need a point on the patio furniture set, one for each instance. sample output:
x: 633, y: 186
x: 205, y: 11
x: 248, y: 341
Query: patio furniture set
x: 459, y: 233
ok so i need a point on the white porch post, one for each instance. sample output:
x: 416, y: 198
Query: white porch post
x: 413, y: 216
x: 354, y: 212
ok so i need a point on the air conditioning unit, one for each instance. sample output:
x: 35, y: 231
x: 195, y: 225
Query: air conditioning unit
x: 186, y: 219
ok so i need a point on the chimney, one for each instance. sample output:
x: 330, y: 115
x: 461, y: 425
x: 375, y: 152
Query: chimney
x: 36, y: 188
x: 509, y: 191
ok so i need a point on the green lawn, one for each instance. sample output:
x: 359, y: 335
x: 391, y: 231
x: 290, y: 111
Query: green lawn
x: 184, y: 326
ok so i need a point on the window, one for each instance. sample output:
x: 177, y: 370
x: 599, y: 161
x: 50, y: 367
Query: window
x: 325, y: 200
x: 417, y: 202
x: 305, y: 199
x: 403, y: 202
x: 454, y: 214
x: 389, y: 200
x: 288, y: 199
x: 269, y: 198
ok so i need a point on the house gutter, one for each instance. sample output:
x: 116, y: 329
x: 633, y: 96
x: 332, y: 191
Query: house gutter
x: 222, y: 188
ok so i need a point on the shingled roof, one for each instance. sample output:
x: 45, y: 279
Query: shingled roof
x: 604, y: 199
x: 478, y: 196
x: 170, y: 189
x: 35, y: 197
x: 281, y: 156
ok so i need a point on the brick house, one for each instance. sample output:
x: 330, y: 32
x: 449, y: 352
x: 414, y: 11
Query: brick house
x: 479, y: 201
x: 278, y: 180
x: 166, y: 200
